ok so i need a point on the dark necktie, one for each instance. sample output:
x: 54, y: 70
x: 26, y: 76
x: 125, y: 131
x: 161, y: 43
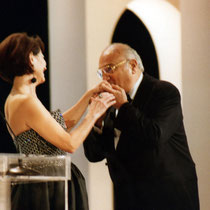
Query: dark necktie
x: 128, y: 97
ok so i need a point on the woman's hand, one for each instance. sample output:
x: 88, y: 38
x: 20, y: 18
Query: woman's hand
x: 100, y: 104
x: 101, y: 87
x: 118, y: 92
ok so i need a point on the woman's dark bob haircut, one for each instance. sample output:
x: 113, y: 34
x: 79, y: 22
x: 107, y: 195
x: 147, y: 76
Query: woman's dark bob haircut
x: 14, y: 55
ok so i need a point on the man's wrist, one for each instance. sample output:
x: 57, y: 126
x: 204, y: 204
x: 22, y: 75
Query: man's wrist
x: 99, y: 124
x: 99, y: 129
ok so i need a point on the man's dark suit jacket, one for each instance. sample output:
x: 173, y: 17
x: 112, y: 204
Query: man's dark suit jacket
x: 151, y: 168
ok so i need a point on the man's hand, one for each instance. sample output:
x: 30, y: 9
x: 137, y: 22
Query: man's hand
x: 119, y: 94
x: 116, y: 90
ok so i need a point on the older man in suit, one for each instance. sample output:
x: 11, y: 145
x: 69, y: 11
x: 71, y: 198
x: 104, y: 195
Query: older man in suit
x: 143, y: 139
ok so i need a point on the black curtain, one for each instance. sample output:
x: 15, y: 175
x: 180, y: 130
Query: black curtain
x: 30, y: 16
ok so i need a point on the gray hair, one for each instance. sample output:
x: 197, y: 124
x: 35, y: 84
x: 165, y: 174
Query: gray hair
x: 126, y: 51
x: 130, y: 53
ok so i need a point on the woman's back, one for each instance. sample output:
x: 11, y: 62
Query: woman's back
x: 27, y: 140
x: 14, y: 112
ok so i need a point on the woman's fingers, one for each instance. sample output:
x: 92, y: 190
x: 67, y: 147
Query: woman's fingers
x: 108, y: 88
x: 105, y: 97
x: 105, y: 100
x: 111, y: 103
x: 116, y: 87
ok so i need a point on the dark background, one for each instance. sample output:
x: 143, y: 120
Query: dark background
x: 23, y: 16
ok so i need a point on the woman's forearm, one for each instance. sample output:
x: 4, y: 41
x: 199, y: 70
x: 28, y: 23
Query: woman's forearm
x: 78, y: 135
x: 74, y: 114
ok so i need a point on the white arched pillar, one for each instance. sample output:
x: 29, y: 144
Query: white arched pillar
x: 163, y: 22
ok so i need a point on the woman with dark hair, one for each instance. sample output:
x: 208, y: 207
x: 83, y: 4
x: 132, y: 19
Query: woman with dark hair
x: 34, y: 129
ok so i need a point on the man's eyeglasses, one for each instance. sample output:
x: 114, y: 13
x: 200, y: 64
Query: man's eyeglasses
x: 109, y: 69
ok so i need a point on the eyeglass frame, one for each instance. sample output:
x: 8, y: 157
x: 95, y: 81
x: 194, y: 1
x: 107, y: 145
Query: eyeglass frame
x: 101, y: 70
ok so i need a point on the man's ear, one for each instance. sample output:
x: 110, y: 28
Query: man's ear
x: 133, y: 64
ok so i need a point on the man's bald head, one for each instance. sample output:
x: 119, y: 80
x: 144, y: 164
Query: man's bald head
x: 123, y: 51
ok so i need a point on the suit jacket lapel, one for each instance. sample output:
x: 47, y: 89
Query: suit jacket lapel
x: 141, y: 98
x: 109, y: 128
x: 144, y: 92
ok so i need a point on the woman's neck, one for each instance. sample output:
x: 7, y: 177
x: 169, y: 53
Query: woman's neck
x: 23, y: 85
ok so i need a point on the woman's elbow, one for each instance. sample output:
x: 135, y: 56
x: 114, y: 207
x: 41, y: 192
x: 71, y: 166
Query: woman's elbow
x: 71, y: 148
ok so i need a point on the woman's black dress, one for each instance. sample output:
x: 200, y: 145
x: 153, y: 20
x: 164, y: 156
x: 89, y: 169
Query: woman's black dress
x: 47, y: 195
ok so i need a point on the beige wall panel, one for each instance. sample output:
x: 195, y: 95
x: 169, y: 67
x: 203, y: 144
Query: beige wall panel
x: 196, y: 88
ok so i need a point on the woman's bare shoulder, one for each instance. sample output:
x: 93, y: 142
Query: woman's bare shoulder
x: 21, y: 103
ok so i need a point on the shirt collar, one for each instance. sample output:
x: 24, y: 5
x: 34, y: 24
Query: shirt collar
x: 133, y: 91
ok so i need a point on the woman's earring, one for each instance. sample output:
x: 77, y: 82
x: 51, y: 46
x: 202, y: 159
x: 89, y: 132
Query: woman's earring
x: 33, y: 80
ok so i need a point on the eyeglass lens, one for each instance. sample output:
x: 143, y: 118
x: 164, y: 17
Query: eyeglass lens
x: 107, y: 69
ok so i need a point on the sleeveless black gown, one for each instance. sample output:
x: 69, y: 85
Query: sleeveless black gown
x: 47, y: 195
